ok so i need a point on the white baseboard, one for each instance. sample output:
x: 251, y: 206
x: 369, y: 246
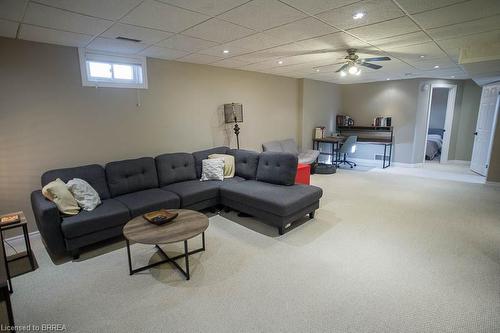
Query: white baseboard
x: 377, y: 163
x: 408, y: 165
x: 461, y: 162
x: 492, y: 183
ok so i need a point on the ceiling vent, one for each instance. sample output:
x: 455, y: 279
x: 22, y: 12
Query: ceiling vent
x: 128, y: 39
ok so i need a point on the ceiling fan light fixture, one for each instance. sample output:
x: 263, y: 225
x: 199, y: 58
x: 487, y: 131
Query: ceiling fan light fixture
x: 353, y: 70
x: 358, y: 72
x: 343, y: 73
x: 358, y: 15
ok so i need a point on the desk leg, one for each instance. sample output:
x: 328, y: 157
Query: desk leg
x: 383, y: 160
x: 390, y: 154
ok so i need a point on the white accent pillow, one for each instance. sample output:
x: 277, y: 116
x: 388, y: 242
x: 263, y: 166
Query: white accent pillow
x: 84, y: 194
x: 212, y: 169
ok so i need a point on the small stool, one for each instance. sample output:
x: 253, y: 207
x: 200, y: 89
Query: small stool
x: 29, y: 253
x: 303, y: 174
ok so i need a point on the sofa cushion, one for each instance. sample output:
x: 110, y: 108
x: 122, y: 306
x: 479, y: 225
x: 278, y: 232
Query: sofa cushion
x: 173, y: 168
x: 92, y: 174
x: 289, y: 146
x: 146, y: 201
x: 275, y: 199
x: 272, y: 146
x: 194, y: 191
x: 246, y: 162
x: 277, y: 168
x: 108, y: 214
x: 131, y: 175
x: 203, y: 155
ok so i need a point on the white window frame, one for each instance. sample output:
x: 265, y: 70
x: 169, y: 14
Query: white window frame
x: 112, y: 58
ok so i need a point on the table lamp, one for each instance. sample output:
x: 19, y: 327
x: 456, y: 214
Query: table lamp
x: 233, y: 113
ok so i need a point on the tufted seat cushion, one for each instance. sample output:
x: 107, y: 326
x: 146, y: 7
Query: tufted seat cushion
x: 246, y: 162
x: 142, y: 202
x: 275, y: 199
x: 174, y: 168
x: 131, y: 175
x: 277, y: 168
x: 110, y: 213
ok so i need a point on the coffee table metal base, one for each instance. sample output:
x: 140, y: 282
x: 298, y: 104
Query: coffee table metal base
x: 168, y: 259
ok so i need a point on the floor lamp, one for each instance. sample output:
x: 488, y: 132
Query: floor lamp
x: 233, y: 113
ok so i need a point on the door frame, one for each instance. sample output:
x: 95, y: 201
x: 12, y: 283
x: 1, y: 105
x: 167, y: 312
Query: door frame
x: 493, y: 130
x: 448, y: 121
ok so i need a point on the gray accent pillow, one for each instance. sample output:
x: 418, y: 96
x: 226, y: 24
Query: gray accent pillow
x: 84, y: 194
x: 212, y: 169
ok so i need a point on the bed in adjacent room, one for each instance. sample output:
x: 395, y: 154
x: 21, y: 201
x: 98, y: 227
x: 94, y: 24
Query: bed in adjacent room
x: 434, y: 144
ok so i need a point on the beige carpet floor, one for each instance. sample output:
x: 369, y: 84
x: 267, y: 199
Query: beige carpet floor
x: 385, y: 253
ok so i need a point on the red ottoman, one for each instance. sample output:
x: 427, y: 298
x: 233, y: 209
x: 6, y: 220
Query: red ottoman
x: 303, y: 174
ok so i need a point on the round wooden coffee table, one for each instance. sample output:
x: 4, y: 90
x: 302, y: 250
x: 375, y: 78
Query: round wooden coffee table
x: 187, y: 225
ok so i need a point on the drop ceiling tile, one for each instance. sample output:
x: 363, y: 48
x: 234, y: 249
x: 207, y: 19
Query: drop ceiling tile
x: 375, y: 10
x: 217, y: 51
x: 8, y: 28
x: 262, y: 14
x: 210, y: 7
x: 163, y: 53
x: 146, y: 35
x: 413, y: 52
x: 115, y: 45
x: 156, y: 15
x: 186, y: 43
x: 199, y: 58
x: 59, y: 19
x: 429, y: 64
x: 12, y: 9
x: 51, y: 36
x: 465, y: 28
x: 335, y: 41
x: 470, y: 40
x: 301, y: 29
x: 230, y: 63
x: 218, y: 31
x: 395, y: 27
x: 418, y: 37
x: 464, y: 11
x: 108, y: 9
x: 256, y: 42
x: 318, y: 6
x: 415, y: 6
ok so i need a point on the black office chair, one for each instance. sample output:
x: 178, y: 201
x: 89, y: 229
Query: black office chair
x: 348, y: 147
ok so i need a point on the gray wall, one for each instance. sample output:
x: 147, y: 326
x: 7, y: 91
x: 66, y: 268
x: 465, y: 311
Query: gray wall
x: 438, y: 107
x: 48, y: 120
x: 320, y: 103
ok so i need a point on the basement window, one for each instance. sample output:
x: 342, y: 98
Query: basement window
x: 112, y: 70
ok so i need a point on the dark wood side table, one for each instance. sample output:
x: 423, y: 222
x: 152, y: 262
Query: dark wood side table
x: 187, y: 224
x: 4, y: 287
x: 29, y: 253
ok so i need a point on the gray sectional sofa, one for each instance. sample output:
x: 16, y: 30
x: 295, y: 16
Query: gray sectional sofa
x: 263, y: 186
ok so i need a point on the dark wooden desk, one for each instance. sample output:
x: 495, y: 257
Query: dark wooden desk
x: 4, y: 287
x: 335, y: 142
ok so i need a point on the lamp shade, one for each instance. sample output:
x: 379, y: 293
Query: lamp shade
x: 233, y: 113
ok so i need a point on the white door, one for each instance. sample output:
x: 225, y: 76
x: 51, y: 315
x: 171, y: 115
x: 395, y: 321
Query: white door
x: 485, y: 129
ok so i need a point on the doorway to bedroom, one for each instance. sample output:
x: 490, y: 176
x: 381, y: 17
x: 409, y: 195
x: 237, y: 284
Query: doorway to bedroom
x: 439, y: 121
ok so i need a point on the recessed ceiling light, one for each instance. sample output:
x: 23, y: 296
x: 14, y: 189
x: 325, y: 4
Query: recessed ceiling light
x: 342, y: 73
x: 436, y: 67
x: 280, y: 62
x: 358, y: 15
x: 422, y: 56
x: 453, y: 76
x: 225, y: 51
x: 317, y: 69
x: 387, y: 79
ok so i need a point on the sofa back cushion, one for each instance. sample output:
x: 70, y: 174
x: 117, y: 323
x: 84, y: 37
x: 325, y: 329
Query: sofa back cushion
x: 277, y: 168
x: 246, y: 162
x: 131, y: 175
x: 92, y: 174
x: 174, y: 168
x: 203, y: 155
x: 289, y: 146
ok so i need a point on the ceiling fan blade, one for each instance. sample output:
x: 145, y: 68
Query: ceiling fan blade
x: 372, y: 66
x: 376, y: 59
x: 342, y: 68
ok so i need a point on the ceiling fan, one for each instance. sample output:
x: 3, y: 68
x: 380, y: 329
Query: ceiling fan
x: 353, y: 62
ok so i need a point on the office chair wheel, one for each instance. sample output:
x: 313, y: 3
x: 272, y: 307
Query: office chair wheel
x: 352, y: 166
x: 355, y: 164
